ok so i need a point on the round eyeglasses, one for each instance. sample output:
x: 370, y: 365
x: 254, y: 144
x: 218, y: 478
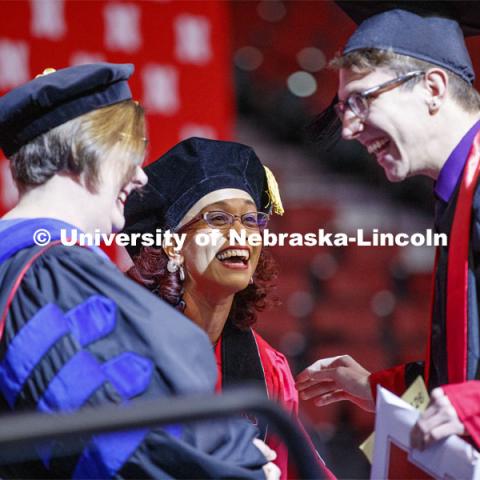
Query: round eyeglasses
x: 220, y: 219
x: 359, y: 102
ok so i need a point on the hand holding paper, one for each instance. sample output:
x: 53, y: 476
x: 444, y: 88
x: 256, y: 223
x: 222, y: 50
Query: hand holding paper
x: 450, y: 457
x: 439, y: 420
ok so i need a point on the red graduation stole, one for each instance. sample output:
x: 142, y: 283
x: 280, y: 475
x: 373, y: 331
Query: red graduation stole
x: 18, y: 281
x: 457, y: 270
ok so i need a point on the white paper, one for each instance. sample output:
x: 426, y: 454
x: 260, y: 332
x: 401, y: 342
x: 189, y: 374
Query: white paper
x: 452, y: 458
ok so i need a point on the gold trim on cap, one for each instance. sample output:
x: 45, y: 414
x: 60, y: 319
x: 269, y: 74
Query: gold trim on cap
x: 273, y: 192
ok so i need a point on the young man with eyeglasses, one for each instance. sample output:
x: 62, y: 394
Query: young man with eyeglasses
x: 405, y: 93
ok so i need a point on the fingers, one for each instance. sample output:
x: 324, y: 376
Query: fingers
x: 271, y: 471
x: 323, y: 363
x: 315, y: 390
x: 442, y: 431
x: 417, y: 439
x: 269, y: 454
x: 332, y: 397
x: 330, y: 368
x: 422, y: 432
x: 341, y: 395
x: 304, y: 375
x: 438, y: 402
x: 327, y: 375
x: 422, y: 439
x: 439, y: 421
x: 437, y: 395
x: 334, y: 379
x: 439, y: 411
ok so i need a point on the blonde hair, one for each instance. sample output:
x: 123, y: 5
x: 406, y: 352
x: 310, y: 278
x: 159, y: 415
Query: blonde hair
x: 80, y: 145
x: 366, y: 60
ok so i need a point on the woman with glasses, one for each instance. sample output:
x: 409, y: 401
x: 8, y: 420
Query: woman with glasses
x: 206, y: 189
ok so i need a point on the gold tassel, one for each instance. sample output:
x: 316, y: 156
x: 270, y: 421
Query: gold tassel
x: 273, y: 192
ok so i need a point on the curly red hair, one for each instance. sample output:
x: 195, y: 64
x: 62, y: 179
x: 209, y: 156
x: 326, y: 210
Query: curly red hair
x: 150, y: 270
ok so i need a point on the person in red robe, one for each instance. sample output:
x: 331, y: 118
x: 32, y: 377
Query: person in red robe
x: 405, y: 93
x: 197, y: 188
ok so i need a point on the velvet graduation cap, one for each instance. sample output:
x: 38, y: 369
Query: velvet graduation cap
x: 55, y: 97
x: 431, y: 31
x: 189, y: 171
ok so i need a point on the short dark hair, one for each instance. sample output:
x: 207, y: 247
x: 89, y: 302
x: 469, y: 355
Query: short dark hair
x: 367, y: 59
x: 79, y: 145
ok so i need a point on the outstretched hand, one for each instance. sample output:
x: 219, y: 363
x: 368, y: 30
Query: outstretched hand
x: 334, y: 379
x: 438, y: 421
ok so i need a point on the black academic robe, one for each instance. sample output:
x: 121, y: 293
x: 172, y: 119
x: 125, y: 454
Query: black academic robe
x: 244, y: 356
x: 463, y: 394
x: 399, y: 378
x: 79, y: 333
x: 444, y: 213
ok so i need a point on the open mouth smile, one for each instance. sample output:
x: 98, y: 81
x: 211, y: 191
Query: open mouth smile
x: 375, y: 147
x: 236, y: 258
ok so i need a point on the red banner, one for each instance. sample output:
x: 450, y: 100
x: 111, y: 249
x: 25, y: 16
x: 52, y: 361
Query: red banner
x: 181, y: 53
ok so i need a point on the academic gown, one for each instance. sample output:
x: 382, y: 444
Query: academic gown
x: 244, y: 356
x: 79, y: 333
x: 465, y: 395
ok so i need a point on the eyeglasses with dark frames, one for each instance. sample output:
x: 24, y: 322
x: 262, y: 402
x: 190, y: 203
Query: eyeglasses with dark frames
x: 220, y: 219
x: 358, y: 102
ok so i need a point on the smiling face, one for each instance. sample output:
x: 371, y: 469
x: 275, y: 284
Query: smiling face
x: 221, y: 268
x: 116, y: 182
x: 396, y: 128
x: 109, y: 145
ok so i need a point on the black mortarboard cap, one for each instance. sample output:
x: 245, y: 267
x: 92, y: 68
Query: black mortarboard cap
x: 432, y: 31
x: 189, y: 171
x: 465, y: 13
x: 54, y: 98
x: 429, y: 31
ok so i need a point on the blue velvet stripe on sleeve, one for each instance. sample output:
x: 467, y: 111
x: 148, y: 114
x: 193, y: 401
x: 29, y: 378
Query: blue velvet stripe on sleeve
x: 79, y: 378
x: 74, y: 384
x: 129, y: 373
x: 88, y: 322
x: 93, y: 319
x: 28, y: 347
x: 83, y: 372
x: 77, y: 381
x: 107, y: 453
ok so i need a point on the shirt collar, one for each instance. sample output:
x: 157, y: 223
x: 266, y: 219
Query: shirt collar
x: 452, y: 169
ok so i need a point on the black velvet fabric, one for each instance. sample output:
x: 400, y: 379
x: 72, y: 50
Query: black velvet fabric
x: 424, y: 33
x: 53, y: 99
x: 185, y: 174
